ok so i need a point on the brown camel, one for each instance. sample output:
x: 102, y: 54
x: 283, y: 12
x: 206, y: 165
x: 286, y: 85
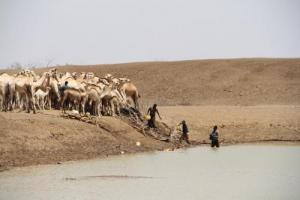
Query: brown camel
x: 130, y: 90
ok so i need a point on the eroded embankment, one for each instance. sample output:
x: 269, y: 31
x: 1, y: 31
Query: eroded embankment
x: 27, y: 139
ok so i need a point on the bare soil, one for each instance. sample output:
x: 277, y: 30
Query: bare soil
x: 28, y: 139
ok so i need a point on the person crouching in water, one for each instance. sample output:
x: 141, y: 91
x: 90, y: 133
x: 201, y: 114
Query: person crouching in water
x: 185, y: 131
x: 152, y: 111
x: 214, y: 137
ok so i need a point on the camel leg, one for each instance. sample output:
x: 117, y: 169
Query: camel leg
x: 96, y: 109
x: 112, y: 108
x: 100, y: 109
x: 43, y: 103
x: 32, y: 102
x: 136, y: 104
x: 118, y: 109
x: 83, y: 106
x: 30, y: 99
x: 27, y: 104
x: 4, y: 105
x: 105, y: 108
x: 49, y: 102
x: 62, y: 104
x: 22, y: 103
x: 38, y: 103
x: 76, y: 105
x: 17, y: 103
x: 11, y: 96
x: 0, y: 103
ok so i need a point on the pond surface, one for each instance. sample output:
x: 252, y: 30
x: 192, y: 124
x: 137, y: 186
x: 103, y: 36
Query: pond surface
x: 231, y: 172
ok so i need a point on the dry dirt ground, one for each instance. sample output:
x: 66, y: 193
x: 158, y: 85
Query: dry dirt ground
x: 27, y: 139
x: 250, y: 99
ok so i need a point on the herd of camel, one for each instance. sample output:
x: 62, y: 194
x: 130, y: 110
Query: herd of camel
x: 83, y: 92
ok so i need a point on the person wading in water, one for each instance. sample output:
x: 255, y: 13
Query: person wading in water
x: 185, y: 131
x: 152, y: 112
x: 214, y: 137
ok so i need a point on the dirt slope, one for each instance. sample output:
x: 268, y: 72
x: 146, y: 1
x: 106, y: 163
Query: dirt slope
x: 27, y: 139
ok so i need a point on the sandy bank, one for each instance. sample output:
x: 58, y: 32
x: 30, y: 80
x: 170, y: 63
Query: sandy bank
x: 27, y: 139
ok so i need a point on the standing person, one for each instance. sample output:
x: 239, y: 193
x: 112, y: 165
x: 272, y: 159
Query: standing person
x: 64, y: 87
x: 214, y: 137
x: 185, y: 131
x: 152, y: 111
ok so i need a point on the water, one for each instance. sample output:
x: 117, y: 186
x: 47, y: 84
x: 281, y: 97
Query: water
x: 232, y: 172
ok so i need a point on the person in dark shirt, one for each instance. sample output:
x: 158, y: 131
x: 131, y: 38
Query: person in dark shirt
x: 185, y: 131
x: 214, y: 137
x: 64, y: 87
x: 152, y: 111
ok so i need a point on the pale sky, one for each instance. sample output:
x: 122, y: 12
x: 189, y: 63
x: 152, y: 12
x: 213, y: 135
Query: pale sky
x: 113, y: 31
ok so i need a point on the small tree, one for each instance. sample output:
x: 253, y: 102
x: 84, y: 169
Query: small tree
x: 16, y: 66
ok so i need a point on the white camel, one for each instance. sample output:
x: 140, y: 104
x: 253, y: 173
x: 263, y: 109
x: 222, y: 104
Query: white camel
x: 25, y: 89
x: 40, y: 97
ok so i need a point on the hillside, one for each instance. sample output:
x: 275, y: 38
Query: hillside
x: 210, y: 82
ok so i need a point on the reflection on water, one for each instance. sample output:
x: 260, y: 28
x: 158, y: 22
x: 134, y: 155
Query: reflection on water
x: 232, y: 172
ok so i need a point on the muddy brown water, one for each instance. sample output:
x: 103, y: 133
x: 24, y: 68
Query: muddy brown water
x: 231, y: 172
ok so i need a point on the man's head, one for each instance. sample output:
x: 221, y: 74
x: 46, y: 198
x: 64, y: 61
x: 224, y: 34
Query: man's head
x: 183, y: 122
x: 154, y: 105
x: 66, y: 83
x: 215, y: 128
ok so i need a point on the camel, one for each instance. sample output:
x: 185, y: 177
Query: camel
x: 54, y: 94
x: 109, y: 97
x: 40, y: 97
x: 72, y: 83
x: 74, y: 96
x: 93, y: 98
x: 25, y: 89
x: 103, y: 81
x: 130, y: 90
x: 43, y: 82
x: 90, y: 75
x: 5, y: 80
x: 7, y: 91
x: 106, y: 94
